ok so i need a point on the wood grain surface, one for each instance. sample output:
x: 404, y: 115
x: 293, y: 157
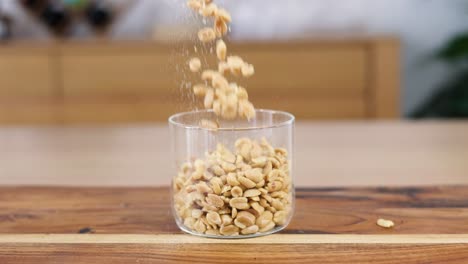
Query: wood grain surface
x: 135, y: 225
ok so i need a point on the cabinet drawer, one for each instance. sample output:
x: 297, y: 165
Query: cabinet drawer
x: 317, y: 108
x: 118, y: 111
x: 31, y: 112
x: 117, y: 75
x: 26, y: 73
x: 307, y: 71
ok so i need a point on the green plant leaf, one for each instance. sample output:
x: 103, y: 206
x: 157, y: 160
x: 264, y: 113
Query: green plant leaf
x: 450, y: 101
x: 456, y: 49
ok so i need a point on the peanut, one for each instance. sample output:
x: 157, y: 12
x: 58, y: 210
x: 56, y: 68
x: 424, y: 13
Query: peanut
x: 229, y: 157
x: 385, y: 223
x: 218, y: 170
x: 221, y: 28
x: 214, y: 200
x: 213, y: 218
x: 195, y: 65
x: 189, y: 222
x: 225, y: 189
x: 254, y: 175
x: 223, y: 15
x: 247, y: 70
x: 242, y: 93
x: 246, y: 182
x: 277, y: 204
x: 236, y: 192
x: 233, y: 212
x: 229, y: 230
x: 274, y: 186
x: 212, y: 232
x: 223, y: 68
x: 226, y: 219
x: 206, y: 35
x: 260, y: 184
x: 265, y: 218
x: 252, y: 193
x: 196, y: 175
x: 219, y: 82
x: 257, y: 207
x: 267, y: 227
x: 255, y: 199
x: 208, y: 175
x: 197, y: 213
x: 228, y: 167
x: 245, y: 219
x: 259, y: 162
x: 194, y: 4
x: 221, y: 50
x: 232, y: 180
x: 216, y: 187
x: 250, y: 230
x: 280, y: 217
x: 208, y: 10
x: 208, y: 75
x: 239, y: 203
x: 246, y: 109
x: 199, y: 226
x: 208, y: 124
x: 217, y: 107
x: 199, y: 90
x: 234, y: 102
x: 209, y: 98
x: 229, y: 194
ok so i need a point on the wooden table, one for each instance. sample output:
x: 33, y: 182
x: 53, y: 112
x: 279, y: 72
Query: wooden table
x: 135, y: 225
x: 128, y: 219
x: 327, y: 154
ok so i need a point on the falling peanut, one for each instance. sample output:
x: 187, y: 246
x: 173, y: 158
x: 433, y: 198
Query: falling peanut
x: 206, y: 35
x: 221, y: 50
x: 195, y: 64
x: 228, y: 100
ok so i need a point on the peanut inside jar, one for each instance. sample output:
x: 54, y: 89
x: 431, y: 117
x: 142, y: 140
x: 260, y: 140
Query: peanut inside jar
x: 240, y: 192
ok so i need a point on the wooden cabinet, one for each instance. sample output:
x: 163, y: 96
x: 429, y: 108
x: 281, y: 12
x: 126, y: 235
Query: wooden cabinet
x: 347, y: 78
x: 26, y: 72
x: 116, y: 71
x: 27, y: 84
x: 311, y: 80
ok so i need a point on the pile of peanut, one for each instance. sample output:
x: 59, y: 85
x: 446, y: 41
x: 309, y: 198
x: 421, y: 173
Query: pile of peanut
x: 244, y: 192
x: 227, y: 100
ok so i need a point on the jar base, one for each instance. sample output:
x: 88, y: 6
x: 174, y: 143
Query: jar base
x: 191, y: 232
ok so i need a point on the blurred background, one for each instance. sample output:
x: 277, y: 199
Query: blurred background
x: 86, y: 87
x: 106, y: 61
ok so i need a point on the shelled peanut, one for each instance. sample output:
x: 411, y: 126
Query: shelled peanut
x: 227, y: 99
x: 243, y: 192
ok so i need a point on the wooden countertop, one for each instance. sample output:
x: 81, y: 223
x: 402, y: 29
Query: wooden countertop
x: 62, y: 222
x: 135, y: 225
x: 327, y: 154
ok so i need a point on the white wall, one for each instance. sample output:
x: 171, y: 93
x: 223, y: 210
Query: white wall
x: 423, y: 26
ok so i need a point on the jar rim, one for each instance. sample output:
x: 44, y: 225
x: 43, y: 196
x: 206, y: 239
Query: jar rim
x: 289, y: 120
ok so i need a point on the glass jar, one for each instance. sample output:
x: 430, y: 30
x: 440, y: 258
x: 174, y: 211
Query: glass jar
x: 234, y: 181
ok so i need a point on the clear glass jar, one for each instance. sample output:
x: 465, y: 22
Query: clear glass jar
x: 235, y: 181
